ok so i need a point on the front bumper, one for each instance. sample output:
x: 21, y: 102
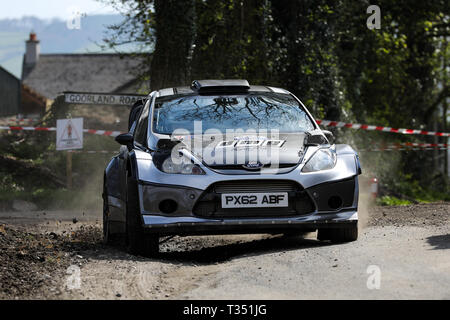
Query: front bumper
x: 196, y: 226
x: 186, y: 220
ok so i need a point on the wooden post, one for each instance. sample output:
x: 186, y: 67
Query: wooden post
x: 69, y: 169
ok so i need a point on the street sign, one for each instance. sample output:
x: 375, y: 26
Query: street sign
x: 101, y: 98
x: 69, y: 134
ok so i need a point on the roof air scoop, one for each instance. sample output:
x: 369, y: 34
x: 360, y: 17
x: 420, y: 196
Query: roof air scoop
x: 220, y: 86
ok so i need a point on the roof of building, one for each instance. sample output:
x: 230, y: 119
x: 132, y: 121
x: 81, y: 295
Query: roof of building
x: 33, y: 94
x: 56, y: 73
x: 9, y: 74
x: 9, y: 93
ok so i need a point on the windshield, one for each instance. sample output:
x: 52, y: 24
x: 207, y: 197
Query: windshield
x: 253, y: 111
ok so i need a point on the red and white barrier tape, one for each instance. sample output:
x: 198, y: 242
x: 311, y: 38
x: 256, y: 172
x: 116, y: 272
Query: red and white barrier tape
x: 421, y: 145
x: 409, y: 146
x: 361, y: 150
x: 326, y: 123
x: 16, y: 120
x: 92, y: 151
x: 393, y: 147
x: 103, y: 132
x: 402, y: 149
x: 339, y: 124
x: 26, y: 128
x: 98, y: 132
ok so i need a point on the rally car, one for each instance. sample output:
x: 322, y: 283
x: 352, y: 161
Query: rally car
x: 224, y: 157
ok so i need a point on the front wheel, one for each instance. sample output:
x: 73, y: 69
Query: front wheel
x: 338, y: 235
x: 106, y: 232
x: 138, y: 242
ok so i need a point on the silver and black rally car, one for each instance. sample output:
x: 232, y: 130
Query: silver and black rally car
x: 224, y: 157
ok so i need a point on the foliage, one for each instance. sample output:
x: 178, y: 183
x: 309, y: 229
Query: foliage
x: 392, y: 201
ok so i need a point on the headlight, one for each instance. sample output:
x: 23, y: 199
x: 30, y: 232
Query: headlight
x: 323, y: 159
x: 182, y: 167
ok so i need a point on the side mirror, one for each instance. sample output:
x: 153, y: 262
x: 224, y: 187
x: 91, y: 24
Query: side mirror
x: 315, y: 140
x: 329, y: 135
x: 125, y: 139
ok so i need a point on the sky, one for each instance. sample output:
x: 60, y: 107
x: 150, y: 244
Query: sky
x: 48, y: 9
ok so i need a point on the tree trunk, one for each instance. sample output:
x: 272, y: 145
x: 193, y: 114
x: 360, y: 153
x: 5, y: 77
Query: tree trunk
x: 170, y: 65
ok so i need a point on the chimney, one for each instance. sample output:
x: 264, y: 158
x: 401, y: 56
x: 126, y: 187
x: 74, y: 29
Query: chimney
x: 32, y: 50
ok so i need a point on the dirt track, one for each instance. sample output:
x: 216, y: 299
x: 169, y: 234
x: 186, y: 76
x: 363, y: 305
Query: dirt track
x: 410, y: 246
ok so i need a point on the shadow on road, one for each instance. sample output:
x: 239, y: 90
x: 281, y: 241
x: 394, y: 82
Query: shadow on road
x: 226, y: 252
x: 87, y: 242
x: 197, y: 252
x: 439, y: 242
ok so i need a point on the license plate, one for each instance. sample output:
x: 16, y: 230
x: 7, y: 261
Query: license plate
x: 254, y: 200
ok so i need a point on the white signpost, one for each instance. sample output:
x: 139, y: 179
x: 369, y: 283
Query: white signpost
x: 69, y: 136
x: 101, y: 98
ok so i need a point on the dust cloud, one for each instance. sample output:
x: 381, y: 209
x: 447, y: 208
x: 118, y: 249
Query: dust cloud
x: 365, y: 203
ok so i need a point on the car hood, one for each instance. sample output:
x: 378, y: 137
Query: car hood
x: 253, y: 151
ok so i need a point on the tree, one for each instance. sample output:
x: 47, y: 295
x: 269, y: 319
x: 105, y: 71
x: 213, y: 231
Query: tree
x: 163, y: 32
x: 231, y: 40
x: 136, y: 29
x: 174, y: 32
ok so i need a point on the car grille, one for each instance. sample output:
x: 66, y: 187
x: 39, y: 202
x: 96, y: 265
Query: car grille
x: 209, y: 203
x: 243, y: 186
x: 239, y: 169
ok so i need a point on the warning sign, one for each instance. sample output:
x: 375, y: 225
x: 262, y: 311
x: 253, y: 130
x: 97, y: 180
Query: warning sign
x: 69, y: 134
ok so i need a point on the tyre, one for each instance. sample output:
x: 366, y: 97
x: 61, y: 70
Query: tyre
x: 138, y: 242
x: 338, y: 235
x: 106, y: 233
x: 109, y: 237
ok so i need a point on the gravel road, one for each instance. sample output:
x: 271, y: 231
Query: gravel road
x: 44, y: 253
